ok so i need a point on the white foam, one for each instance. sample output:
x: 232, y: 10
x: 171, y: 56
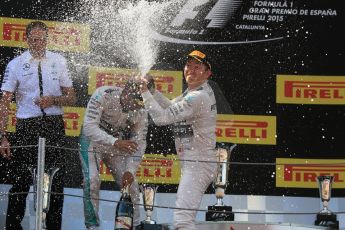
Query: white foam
x: 121, y: 31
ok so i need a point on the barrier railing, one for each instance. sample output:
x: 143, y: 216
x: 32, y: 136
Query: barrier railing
x: 39, y: 193
x: 39, y: 181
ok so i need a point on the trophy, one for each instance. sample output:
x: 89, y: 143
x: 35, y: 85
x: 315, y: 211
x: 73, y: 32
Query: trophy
x: 219, y: 211
x: 149, y: 192
x: 47, y: 184
x: 326, y: 217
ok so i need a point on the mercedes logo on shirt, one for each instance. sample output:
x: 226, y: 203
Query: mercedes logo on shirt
x: 26, y: 66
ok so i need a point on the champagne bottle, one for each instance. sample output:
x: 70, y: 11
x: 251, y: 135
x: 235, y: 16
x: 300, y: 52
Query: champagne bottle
x: 124, y: 211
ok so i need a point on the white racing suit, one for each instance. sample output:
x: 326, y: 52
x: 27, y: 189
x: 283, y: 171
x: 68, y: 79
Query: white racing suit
x: 104, y: 123
x: 194, y: 116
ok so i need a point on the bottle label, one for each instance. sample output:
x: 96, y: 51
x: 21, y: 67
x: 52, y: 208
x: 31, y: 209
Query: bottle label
x: 123, y: 222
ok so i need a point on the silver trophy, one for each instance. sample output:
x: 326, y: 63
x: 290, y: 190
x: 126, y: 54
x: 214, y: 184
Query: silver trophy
x: 47, y: 184
x: 221, y: 181
x: 220, y: 184
x: 149, y: 193
x: 326, y: 217
x: 325, y: 188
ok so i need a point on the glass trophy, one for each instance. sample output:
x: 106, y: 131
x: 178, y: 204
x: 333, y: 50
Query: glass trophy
x: 220, y: 211
x: 326, y: 217
x: 149, y: 193
x: 47, y: 184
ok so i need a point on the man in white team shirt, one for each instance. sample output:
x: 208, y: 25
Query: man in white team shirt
x: 194, y: 117
x: 41, y: 83
x: 114, y: 131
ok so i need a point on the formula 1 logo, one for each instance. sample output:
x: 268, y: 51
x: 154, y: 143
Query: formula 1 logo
x: 218, y: 16
x: 210, y: 22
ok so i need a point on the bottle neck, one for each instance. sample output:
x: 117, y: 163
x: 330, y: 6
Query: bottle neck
x: 125, y: 189
x: 125, y: 192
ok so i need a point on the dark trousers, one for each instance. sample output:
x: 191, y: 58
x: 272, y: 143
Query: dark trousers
x: 28, y: 132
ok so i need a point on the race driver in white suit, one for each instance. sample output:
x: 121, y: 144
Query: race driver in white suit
x: 194, y: 117
x: 114, y: 131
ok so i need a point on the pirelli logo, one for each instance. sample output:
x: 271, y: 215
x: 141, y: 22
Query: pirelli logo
x: 167, y: 82
x: 99, y: 76
x: 303, y: 173
x: 73, y: 119
x: 11, y: 125
x: 294, y: 89
x: 246, y: 129
x: 154, y: 168
x: 73, y: 37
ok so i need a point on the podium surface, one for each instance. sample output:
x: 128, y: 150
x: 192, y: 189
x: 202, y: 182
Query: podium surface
x: 239, y: 225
